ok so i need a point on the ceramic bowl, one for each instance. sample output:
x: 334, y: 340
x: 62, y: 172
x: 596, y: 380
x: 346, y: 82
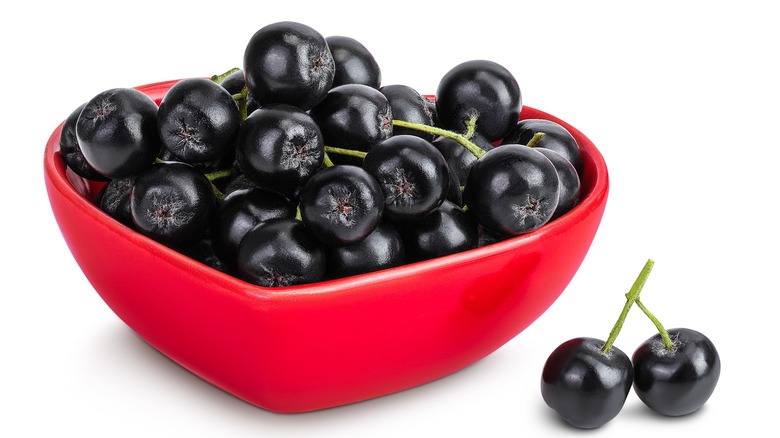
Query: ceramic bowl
x: 331, y: 343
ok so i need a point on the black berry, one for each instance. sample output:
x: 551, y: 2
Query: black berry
x: 354, y: 63
x: 556, y: 138
x: 512, y: 189
x: 483, y: 90
x: 71, y: 151
x: 280, y: 147
x: 679, y: 380
x: 412, y: 174
x: 381, y: 249
x: 172, y: 203
x: 445, y: 230
x: 584, y: 385
x: 239, y: 212
x: 354, y: 116
x: 198, y: 121
x: 288, y: 62
x: 280, y: 252
x: 117, y: 132
x: 341, y: 204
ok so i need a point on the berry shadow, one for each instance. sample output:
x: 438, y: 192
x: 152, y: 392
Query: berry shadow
x: 637, y: 411
x: 558, y: 425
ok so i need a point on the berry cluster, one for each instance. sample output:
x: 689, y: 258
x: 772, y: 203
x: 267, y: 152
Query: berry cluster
x: 586, y: 380
x: 302, y: 166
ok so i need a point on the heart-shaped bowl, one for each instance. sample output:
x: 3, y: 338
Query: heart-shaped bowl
x: 314, y: 346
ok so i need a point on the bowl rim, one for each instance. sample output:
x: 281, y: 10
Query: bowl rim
x: 61, y: 179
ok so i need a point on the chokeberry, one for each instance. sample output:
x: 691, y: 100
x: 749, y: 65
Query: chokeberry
x: 202, y: 250
x: 412, y: 174
x: 239, y: 212
x: 198, y: 120
x: 354, y: 63
x: 445, y: 230
x: 341, y: 204
x: 71, y: 151
x: 678, y: 380
x: 512, y: 189
x: 556, y: 137
x: 115, y: 198
x: 569, y: 179
x: 172, y: 203
x: 117, y: 132
x: 288, y: 62
x: 481, y: 90
x: 407, y: 104
x: 675, y: 370
x: 280, y: 252
x: 280, y: 147
x: 584, y: 385
x: 354, y: 116
x: 381, y: 249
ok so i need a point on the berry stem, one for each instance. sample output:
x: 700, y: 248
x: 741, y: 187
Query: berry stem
x: 217, y: 174
x: 219, y: 195
x: 241, y: 99
x: 342, y: 151
x: 460, y: 138
x: 471, y: 126
x: 326, y: 160
x: 221, y: 77
x: 667, y: 340
x: 535, y: 139
x: 631, y: 297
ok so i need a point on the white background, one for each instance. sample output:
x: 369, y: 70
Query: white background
x: 680, y: 97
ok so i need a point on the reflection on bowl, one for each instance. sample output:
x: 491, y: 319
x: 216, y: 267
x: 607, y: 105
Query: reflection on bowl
x: 325, y: 344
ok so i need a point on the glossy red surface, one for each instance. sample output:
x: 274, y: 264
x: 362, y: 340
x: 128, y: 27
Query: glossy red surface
x: 326, y: 344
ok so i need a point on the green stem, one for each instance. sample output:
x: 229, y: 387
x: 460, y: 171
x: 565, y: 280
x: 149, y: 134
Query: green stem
x: 217, y: 174
x: 471, y: 126
x: 242, y: 109
x: 661, y: 330
x: 342, y: 151
x: 535, y: 139
x: 298, y: 216
x: 221, y: 77
x: 460, y: 138
x: 631, y: 297
x: 326, y: 160
x: 220, y: 196
x: 241, y: 99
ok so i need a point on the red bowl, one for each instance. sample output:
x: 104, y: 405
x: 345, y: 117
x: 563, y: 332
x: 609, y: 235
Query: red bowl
x: 325, y: 344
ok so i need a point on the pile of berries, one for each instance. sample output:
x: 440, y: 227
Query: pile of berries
x: 301, y: 166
